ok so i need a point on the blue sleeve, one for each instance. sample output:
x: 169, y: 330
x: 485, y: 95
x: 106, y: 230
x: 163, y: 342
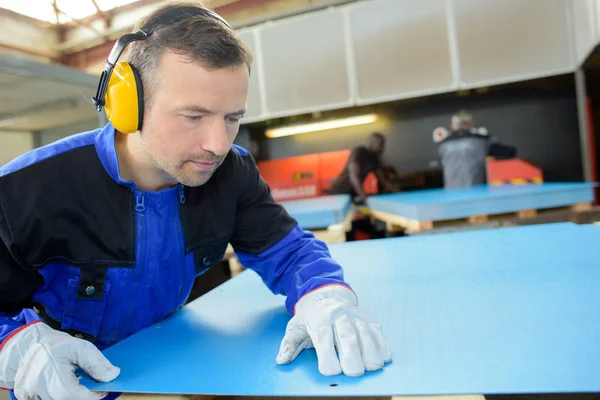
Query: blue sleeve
x: 9, y: 322
x: 294, y: 266
x: 266, y: 239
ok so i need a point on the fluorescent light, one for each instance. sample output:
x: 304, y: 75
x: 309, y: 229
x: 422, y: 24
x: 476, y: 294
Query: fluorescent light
x: 321, y: 126
x: 7, y: 122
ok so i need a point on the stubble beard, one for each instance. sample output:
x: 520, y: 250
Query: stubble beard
x: 183, y: 172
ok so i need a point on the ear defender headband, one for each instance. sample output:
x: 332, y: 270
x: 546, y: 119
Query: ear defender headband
x: 120, y: 89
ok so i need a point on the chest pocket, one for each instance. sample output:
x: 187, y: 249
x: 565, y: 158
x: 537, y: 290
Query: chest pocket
x: 208, y: 254
x: 83, y: 312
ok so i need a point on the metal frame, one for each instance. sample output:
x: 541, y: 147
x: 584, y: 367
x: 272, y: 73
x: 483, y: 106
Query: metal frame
x: 584, y: 128
x: 57, y: 73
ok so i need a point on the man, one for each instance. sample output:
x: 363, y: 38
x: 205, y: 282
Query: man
x: 464, y: 151
x: 362, y: 161
x: 103, y: 233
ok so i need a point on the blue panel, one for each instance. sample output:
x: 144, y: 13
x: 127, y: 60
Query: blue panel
x: 319, y: 212
x: 444, y: 204
x: 511, y: 310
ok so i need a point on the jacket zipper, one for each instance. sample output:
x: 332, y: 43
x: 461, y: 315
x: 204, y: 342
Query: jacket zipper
x: 181, y: 194
x: 140, y: 209
x: 181, y: 242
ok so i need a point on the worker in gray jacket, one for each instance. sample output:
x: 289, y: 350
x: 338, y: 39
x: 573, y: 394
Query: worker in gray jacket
x: 463, y: 151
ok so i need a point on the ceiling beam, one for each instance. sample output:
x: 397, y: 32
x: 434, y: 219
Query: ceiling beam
x: 105, y: 17
x: 15, y: 130
x: 31, y: 52
x: 61, y: 30
x: 79, y: 22
x: 13, y: 65
x: 56, y: 13
x: 70, y: 102
x: 117, y: 10
x: 88, y: 57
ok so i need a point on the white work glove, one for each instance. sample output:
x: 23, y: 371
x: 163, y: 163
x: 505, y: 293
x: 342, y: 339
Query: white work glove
x: 329, y: 318
x: 39, y: 363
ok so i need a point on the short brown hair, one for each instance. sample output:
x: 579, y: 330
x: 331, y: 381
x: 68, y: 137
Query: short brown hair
x: 204, y: 39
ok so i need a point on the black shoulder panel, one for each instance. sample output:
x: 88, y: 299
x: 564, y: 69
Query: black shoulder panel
x: 68, y: 209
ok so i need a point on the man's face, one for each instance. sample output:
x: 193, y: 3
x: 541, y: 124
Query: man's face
x: 193, y: 118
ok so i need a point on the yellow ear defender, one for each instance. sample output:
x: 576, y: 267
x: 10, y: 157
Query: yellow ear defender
x: 120, y: 89
x: 124, y: 99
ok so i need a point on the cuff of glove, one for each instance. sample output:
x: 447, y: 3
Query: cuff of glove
x: 330, y: 291
x: 15, y: 332
x: 13, y: 348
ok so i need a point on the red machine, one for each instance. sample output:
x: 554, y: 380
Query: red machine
x: 307, y: 176
x: 513, y: 172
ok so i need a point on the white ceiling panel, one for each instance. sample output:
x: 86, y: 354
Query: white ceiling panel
x: 401, y: 49
x: 305, y: 66
x: 512, y: 40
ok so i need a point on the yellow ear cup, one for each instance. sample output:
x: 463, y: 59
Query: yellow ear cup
x: 124, y: 103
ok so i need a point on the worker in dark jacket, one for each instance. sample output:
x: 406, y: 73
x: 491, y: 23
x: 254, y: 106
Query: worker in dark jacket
x: 102, y: 234
x: 362, y: 161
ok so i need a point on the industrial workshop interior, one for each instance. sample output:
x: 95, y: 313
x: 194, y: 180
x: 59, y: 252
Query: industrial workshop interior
x: 300, y: 199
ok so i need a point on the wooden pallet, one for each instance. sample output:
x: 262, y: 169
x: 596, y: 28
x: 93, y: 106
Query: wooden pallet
x: 395, y: 223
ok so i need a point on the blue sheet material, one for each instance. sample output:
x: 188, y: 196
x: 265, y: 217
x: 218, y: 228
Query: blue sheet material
x: 511, y: 310
x: 319, y: 212
x: 445, y: 204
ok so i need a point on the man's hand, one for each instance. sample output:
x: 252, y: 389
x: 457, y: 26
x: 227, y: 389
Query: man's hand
x: 329, y: 318
x: 39, y: 363
x: 360, y: 199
